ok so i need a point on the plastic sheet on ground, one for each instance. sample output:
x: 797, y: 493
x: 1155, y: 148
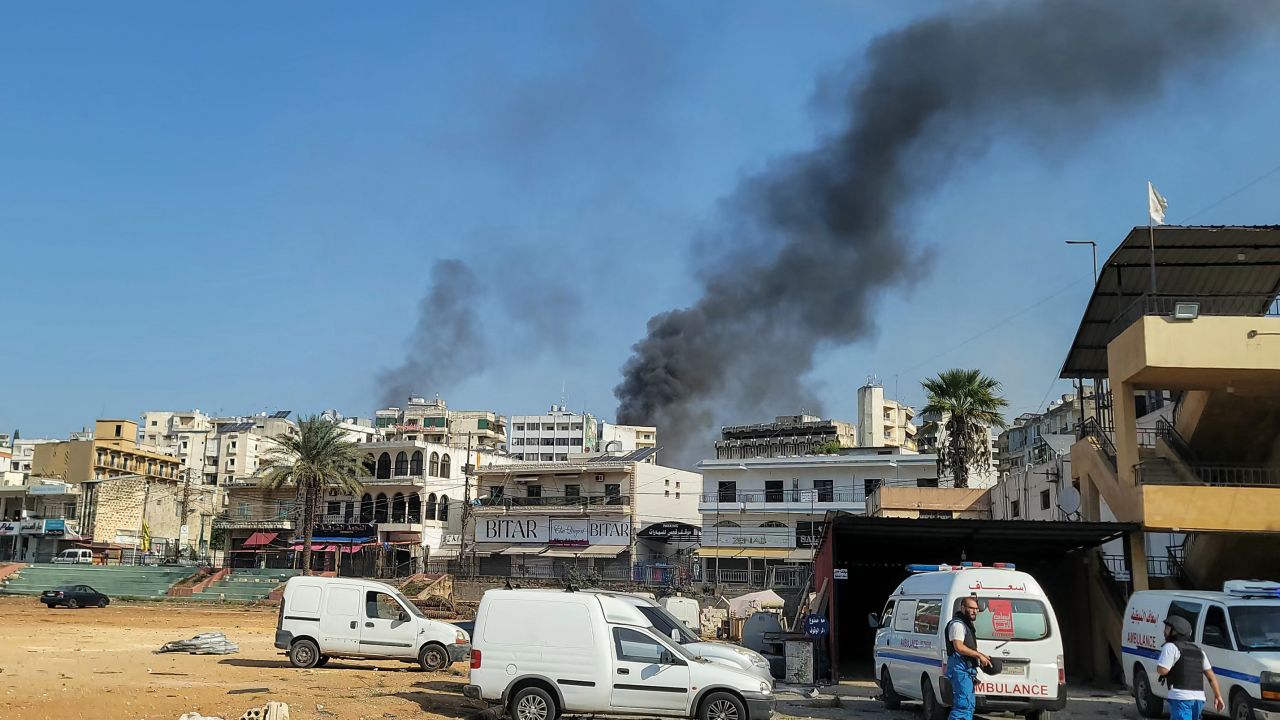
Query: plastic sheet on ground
x: 202, y: 644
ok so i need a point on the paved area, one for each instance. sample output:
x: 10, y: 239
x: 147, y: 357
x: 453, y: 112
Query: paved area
x: 858, y: 700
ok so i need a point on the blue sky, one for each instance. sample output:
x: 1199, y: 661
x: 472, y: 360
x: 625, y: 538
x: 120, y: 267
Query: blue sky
x: 237, y: 208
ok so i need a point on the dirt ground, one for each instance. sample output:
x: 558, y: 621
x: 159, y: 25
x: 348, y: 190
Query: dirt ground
x: 99, y: 664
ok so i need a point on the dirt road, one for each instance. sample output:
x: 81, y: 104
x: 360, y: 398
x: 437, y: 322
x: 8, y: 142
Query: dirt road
x: 99, y: 664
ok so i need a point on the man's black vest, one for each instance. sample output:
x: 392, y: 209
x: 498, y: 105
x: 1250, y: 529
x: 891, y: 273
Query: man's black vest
x: 970, y: 638
x: 1188, y: 672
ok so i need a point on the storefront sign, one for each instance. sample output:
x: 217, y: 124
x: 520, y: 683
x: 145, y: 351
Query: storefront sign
x: 609, y: 532
x: 840, y: 574
x: 345, y: 530
x: 48, y: 490
x: 540, y: 529
x: 765, y: 537
x: 9, y: 528
x: 453, y: 539
x: 32, y: 527
x: 569, y: 531
x: 512, y: 530
x: 671, y: 531
x: 55, y: 528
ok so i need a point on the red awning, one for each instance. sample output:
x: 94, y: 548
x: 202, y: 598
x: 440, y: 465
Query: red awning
x: 259, y: 539
x: 317, y: 548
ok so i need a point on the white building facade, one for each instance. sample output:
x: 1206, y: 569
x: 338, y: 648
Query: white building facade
x: 624, y: 439
x: 552, y: 437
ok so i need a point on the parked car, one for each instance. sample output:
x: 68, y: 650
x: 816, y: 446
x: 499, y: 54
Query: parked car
x: 466, y: 626
x: 323, y: 617
x: 75, y: 556
x: 74, y: 596
x: 541, y: 653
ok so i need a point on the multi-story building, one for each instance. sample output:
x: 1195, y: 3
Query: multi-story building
x: 184, y: 434
x: 357, y: 429
x: 552, y: 437
x: 786, y: 436
x: 23, y: 451
x: 762, y: 514
x: 605, y: 516
x: 432, y: 421
x: 38, y: 518
x: 625, y: 439
x: 237, y: 447
x: 883, y: 422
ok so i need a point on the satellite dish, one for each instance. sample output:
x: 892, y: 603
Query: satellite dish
x: 1069, y: 500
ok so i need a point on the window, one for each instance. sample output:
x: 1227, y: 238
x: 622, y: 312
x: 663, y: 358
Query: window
x: 666, y: 493
x: 415, y: 463
x: 773, y: 491
x: 677, y: 494
x: 412, y: 422
x: 434, y: 467
x: 635, y: 646
x: 154, y: 423
x: 547, y: 457
x: 1044, y: 499
x: 1215, y: 633
x: 562, y: 457
x: 1257, y: 626
x: 1015, y: 509
x: 548, y: 441
x: 243, y: 508
x: 482, y: 424
x: 563, y: 427
x: 495, y: 491
x: 533, y: 491
x: 726, y: 524
x: 886, y: 617
x: 517, y: 441
x: 443, y: 514
x: 117, y: 431
x: 904, y: 616
x: 575, y: 441
x: 518, y: 427
x: 548, y: 426
x: 577, y: 427
x: 233, y: 444
x: 333, y: 508
x: 445, y: 468
x: 928, y: 616
x: 824, y: 490
x: 1188, y: 610
x: 1009, y: 619
x: 728, y: 490
x: 402, y: 464
x: 869, y: 486
x: 612, y: 494
x: 572, y: 490
x: 184, y: 444
x: 562, y: 441
x: 381, y: 606
x: 384, y: 466
x: 926, y: 482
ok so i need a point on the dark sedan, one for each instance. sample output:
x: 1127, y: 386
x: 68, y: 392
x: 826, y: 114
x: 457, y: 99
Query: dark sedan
x: 74, y: 596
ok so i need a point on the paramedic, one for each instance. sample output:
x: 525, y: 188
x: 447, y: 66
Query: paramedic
x: 1181, y: 666
x: 963, y: 659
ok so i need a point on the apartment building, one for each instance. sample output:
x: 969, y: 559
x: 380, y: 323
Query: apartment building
x: 23, y: 454
x: 432, y: 421
x: 554, y: 436
x: 605, y: 516
x: 184, y: 434
x: 625, y: 439
x: 786, y: 436
x: 883, y: 422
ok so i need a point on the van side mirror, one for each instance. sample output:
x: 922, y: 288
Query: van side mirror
x: 873, y: 620
x: 404, y: 616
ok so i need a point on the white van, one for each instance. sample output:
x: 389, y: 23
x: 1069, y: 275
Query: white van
x: 541, y: 653
x: 664, y: 622
x: 1015, y: 623
x: 686, y: 609
x: 74, y: 556
x: 322, y: 618
x: 1239, y: 630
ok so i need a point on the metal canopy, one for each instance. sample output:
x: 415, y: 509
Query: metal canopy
x: 911, y: 540
x: 1191, y: 261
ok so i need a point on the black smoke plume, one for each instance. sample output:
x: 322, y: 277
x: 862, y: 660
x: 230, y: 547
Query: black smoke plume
x: 936, y: 92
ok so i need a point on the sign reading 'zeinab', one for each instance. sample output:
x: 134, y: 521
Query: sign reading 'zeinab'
x: 540, y: 529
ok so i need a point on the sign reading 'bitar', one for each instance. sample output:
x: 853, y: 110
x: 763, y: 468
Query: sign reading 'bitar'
x: 540, y: 529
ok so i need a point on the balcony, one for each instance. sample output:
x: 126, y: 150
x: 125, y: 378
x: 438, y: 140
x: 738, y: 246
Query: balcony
x: 782, y: 500
x: 559, y: 504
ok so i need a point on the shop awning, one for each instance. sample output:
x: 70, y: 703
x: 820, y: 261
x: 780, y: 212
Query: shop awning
x: 442, y: 553
x: 802, y: 555
x: 748, y: 552
x: 259, y: 539
x: 525, y: 550
x: 341, y: 540
x: 490, y: 548
x: 585, y: 551
x: 316, y: 548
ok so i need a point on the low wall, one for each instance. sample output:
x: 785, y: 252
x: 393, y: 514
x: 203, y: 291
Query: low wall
x: 188, y: 590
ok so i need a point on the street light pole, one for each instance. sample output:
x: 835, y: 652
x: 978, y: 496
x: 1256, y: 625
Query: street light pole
x: 1094, y: 246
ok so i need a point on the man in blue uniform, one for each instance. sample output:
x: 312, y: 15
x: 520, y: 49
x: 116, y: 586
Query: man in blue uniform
x: 963, y: 659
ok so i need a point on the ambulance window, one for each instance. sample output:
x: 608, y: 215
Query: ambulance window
x: 1010, y: 618
x: 928, y: 616
x: 1188, y: 610
x: 904, y: 616
x: 1215, y: 633
x: 886, y: 617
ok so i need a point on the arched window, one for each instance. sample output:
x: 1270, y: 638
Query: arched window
x: 415, y: 508
x: 397, y: 508
x: 402, y: 464
x: 434, y: 469
x: 384, y: 466
x: 727, y: 523
x: 415, y: 463
x: 772, y: 523
x: 370, y: 465
x: 443, y: 513
x: 431, y: 506
x: 366, y: 508
x: 444, y: 465
x: 380, y: 508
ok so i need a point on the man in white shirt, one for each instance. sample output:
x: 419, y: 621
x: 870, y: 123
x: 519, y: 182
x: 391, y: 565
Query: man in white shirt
x: 1183, y: 666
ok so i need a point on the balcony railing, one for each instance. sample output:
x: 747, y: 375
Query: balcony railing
x: 555, y: 501
x: 1228, y: 304
x: 782, y: 496
x: 1211, y: 475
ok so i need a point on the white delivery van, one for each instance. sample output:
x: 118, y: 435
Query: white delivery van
x: 541, y: 653
x: 1239, y: 631
x: 686, y: 609
x: 74, y: 556
x: 322, y: 618
x: 1015, y: 624
x: 664, y: 622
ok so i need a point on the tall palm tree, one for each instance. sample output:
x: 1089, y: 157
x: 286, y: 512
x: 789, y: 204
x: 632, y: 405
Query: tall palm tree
x: 319, y: 456
x: 967, y: 405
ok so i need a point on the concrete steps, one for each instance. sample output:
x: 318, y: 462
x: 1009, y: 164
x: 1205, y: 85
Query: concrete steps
x: 114, y: 581
x: 246, y: 585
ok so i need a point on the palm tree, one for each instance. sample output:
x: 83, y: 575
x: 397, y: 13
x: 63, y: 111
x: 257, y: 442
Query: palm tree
x: 319, y: 456
x: 967, y: 405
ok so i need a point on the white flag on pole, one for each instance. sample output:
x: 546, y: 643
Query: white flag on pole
x: 1156, y: 204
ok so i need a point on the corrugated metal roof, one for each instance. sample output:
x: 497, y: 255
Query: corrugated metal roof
x: 1203, y: 260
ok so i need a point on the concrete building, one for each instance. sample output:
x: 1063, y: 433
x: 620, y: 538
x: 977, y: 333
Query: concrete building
x: 883, y: 422
x: 624, y: 439
x: 432, y: 421
x: 930, y: 503
x: 611, y: 518
x: 38, y: 519
x: 787, y: 435
x: 238, y: 446
x: 184, y: 434
x: 763, y: 517
x: 357, y: 429
x: 23, y: 453
x: 554, y: 436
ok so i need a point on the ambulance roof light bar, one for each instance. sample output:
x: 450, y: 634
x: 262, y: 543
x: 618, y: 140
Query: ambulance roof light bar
x: 921, y: 568
x: 1251, y: 588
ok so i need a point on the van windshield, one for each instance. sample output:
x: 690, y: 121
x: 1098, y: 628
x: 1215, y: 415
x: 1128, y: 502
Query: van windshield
x: 1257, y: 626
x: 664, y: 622
x: 409, y: 604
x: 1014, y: 619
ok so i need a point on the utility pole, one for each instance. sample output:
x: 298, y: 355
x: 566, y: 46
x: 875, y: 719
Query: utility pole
x: 142, y: 524
x: 186, y: 512
x: 466, y: 506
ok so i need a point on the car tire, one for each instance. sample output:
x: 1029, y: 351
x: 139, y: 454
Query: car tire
x: 1240, y: 707
x: 102, y: 602
x: 433, y: 658
x: 73, y: 603
x: 532, y: 703
x: 1144, y: 697
x: 891, y: 699
x: 304, y: 654
x: 933, y: 710
x: 722, y: 706
x: 1039, y: 715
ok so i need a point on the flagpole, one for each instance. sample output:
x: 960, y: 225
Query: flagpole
x: 1151, y: 231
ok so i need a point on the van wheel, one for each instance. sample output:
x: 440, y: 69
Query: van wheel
x: 933, y: 710
x: 532, y: 703
x: 722, y: 706
x: 887, y: 694
x: 1148, y: 704
x: 304, y: 654
x: 1240, y: 707
x: 433, y: 658
x: 1039, y: 715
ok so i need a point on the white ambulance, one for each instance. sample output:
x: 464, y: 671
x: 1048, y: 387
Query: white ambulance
x: 1239, y: 631
x: 1015, y: 624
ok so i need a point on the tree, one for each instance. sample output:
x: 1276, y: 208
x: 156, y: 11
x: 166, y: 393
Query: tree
x: 967, y: 405
x: 318, y: 457
x: 830, y: 447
